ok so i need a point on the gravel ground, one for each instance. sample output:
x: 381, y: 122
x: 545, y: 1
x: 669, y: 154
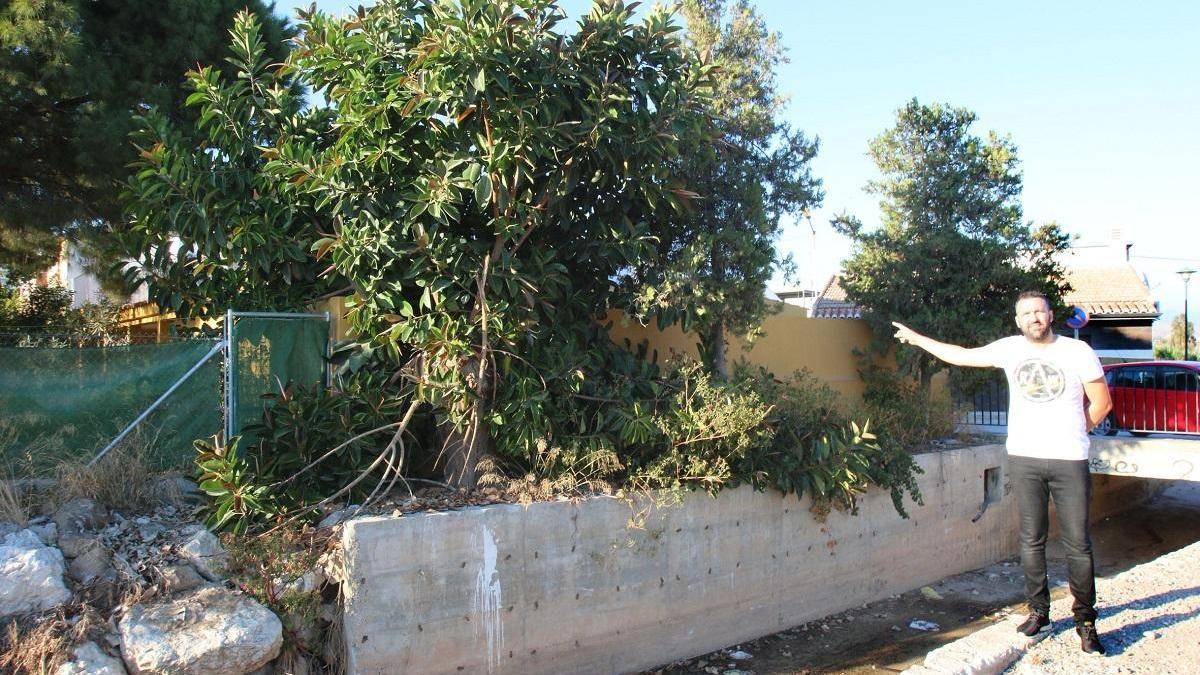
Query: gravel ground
x: 1149, y: 622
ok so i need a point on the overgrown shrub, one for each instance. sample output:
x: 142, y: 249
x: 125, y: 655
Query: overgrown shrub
x: 791, y: 436
x: 674, y: 429
x: 903, y: 414
x: 706, y: 429
x: 818, y: 450
x: 313, y: 443
x: 42, y: 316
x: 575, y: 470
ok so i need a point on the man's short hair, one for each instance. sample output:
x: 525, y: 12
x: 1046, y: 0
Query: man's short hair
x: 1025, y: 295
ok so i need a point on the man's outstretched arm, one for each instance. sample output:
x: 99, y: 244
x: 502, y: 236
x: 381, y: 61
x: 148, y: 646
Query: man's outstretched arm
x: 1099, y: 402
x: 953, y: 354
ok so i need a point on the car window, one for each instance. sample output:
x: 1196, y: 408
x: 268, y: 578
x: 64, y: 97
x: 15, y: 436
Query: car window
x: 1140, y: 377
x: 1122, y: 377
x: 1180, y: 379
x: 1150, y: 379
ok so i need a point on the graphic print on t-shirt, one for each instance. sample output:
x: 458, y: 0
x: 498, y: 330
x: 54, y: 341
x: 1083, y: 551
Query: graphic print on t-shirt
x: 1040, y: 381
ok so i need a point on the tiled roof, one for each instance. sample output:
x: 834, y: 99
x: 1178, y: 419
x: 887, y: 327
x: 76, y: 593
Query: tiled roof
x: 831, y: 303
x: 1115, y: 290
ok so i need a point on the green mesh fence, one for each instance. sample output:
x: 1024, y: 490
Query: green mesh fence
x: 269, y: 351
x: 67, y: 404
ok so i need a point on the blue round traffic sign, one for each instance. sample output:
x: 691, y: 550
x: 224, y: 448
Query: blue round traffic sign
x: 1078, y: 319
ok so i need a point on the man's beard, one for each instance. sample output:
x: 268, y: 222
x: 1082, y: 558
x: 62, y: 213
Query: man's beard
x: 1036, y: 334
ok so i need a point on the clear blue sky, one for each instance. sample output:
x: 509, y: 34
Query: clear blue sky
x: 1102, y: 99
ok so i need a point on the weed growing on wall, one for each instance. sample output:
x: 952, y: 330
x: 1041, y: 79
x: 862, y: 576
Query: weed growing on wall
x: 272, y: 568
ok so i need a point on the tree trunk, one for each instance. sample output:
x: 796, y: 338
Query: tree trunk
x: 717, y: 336
x: 718, y: 349
x: 461, y: 452
x: 462, y: 448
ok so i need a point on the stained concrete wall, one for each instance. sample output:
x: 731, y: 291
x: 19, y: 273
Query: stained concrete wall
x: 568, y: 587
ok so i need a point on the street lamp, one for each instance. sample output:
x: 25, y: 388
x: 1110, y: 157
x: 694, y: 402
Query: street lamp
x: 1186, y: 273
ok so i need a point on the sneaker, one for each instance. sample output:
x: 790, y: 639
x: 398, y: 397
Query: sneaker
x: 1089, y: 639
x: 1034, y: 623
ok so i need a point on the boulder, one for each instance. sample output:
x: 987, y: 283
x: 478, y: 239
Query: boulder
x: 173, y: 488
x: 203, y: 550
x: 73, y: 544
x: 79, y: 515
x: 31, y: 575
x: 179, y: 578
x: 47, y: 532
x: 207, y: 631
x: 89, y: 659
x: 93, y: 563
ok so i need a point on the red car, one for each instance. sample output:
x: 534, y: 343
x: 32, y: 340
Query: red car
x: 1158, y: 396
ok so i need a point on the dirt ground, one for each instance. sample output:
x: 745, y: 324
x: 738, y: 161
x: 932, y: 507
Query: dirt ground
x: 878, y: 638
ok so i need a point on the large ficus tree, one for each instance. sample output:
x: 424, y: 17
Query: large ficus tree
x: 714, y: 270
x: 490, y: 180
x: 952, y: 252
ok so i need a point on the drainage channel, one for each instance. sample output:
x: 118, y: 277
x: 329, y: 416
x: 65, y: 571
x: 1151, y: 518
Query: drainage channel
x: 888, y: 636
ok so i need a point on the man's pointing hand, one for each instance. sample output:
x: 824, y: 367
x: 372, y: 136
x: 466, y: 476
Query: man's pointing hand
x: 903, y: 333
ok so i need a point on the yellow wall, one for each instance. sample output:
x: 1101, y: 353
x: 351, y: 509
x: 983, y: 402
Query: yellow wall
x: 791, y: 341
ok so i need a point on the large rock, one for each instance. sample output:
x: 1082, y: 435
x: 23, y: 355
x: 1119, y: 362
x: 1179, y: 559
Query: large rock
x: 203, y: 550
x: 79, y: 515
x: 95, y: 562
x: 179, y: 578
x: 73, y: 544
x: 47, y: 532
x: 209, y: 631
x: 31, y: 575
x: 89, y: 659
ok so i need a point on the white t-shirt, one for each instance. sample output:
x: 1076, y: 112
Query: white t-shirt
x: 1046, y: 418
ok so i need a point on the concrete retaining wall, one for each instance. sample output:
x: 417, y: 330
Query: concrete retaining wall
x: 567, y: 587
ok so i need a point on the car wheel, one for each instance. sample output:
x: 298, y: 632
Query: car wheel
x: 1107, y: 427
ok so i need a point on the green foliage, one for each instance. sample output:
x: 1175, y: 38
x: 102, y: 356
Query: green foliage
x: 952, y: 253
x: 42, y: 316
x: 1172, y: 347
x: 237, y: 497
x: 707, y: 427
x: 487, y: 187
x: 722, y: 434
x: 314, y: 441
x: 817, y: 449
x: 244, y: 241
x: 905, y: 414
x: 714, y: 265
x: 489, y: 177
x: 71, y: 75
x: 25, y: 252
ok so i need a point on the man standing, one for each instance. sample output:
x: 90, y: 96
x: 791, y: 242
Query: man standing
x: 1048, y: 376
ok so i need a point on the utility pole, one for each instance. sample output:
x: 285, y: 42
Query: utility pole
x: 1186, y: 273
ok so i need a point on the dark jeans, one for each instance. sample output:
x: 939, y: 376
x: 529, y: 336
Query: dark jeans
x: 1034, y: 481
